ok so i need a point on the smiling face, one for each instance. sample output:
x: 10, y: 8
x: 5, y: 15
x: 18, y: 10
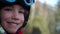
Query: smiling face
x: 12, y: 18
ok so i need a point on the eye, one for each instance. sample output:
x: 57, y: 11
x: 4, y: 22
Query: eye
x: 7, y: 9
x: 22, y: 12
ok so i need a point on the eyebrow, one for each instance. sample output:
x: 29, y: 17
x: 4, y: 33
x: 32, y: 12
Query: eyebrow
x: 8, y: 7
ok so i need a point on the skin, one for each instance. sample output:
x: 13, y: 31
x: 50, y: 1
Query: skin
x: 12, y: 18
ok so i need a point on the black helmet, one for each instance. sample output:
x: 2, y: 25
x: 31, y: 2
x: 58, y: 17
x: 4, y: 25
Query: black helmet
x: 24, y: 3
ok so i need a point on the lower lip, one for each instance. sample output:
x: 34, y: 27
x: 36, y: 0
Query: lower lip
x: 13, y: 24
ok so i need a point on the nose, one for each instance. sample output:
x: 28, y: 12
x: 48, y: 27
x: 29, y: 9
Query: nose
x: 15, y: 16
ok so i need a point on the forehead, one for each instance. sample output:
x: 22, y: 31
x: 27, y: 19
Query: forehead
x: 17, y: 6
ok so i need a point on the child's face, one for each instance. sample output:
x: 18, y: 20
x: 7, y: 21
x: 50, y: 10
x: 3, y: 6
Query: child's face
x: 12, y: 18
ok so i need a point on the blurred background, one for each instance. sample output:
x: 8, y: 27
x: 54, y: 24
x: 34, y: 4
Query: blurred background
x: 44, y: 18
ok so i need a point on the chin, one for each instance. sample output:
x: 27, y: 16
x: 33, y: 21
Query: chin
x: 12, y: 31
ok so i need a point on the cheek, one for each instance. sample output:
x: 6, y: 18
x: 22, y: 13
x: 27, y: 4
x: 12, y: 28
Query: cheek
x: 21, y: 17
x: 6, y: 16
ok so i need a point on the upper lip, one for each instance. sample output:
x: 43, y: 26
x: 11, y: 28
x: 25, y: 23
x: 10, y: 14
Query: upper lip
x: 14, y: 22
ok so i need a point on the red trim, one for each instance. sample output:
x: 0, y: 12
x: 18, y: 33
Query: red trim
x: 20, y: 32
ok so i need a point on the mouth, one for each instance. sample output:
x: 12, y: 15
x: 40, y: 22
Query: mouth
x: 13, y: 23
